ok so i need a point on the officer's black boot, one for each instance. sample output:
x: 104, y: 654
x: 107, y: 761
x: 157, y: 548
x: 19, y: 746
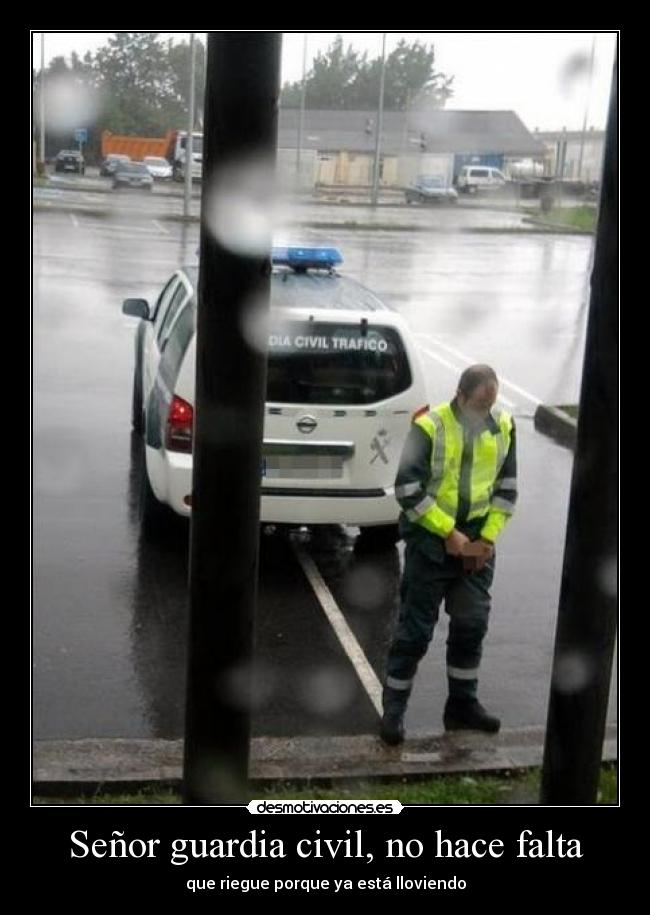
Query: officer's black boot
x: 467, y: 714
x: 392, y: 722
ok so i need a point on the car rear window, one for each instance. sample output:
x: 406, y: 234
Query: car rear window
x: 335, y: 363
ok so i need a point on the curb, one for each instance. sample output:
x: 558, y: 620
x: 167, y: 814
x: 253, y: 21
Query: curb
x: 558, y: 227
x: 557, y: 424
x: 65, y: 767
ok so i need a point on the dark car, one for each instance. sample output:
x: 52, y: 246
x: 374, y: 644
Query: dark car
x: 70, y: 160
x: 110, y: 163
x: 430, y: 189
x: 132, y: 174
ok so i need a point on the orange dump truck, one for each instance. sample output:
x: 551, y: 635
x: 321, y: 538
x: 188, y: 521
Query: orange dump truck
x: 138, y: 147
x: 171, y: 147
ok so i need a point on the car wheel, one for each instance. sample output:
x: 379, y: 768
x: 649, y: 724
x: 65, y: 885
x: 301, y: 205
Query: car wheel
x: 137, y: 415
x: 472, y: 189
x: 155, y: 518
x: 379, y: 537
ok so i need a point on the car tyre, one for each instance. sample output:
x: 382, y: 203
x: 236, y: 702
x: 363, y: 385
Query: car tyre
x: 155, y: 518
x: 137, y: 413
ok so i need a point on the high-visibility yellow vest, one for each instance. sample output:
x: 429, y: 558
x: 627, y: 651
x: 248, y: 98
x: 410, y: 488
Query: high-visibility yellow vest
x: 489, y: 452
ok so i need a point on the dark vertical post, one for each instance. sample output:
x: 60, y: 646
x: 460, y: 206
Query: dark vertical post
x: 241, y: 97
x: 586, y: 628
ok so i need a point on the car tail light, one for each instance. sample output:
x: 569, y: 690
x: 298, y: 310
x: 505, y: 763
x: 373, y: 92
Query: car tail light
x: 179, y: 426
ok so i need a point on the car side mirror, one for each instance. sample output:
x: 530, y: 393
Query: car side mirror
x: 137, y: 308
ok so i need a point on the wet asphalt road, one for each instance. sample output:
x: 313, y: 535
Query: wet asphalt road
x: 109, y: 611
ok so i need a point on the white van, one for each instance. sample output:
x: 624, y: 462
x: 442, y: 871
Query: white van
x: 344, y: 380
x: 474, y: 178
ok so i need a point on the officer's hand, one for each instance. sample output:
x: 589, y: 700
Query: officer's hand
x: 485, y: 552
x: 476, y: 554
x: 455, y: 543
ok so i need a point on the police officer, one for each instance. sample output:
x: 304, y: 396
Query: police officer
x: 457, y: 487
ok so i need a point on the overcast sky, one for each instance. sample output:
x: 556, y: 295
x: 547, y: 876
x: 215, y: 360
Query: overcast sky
x: 520, y: 71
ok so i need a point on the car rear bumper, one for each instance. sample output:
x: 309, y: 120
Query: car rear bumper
x: 171, y: 480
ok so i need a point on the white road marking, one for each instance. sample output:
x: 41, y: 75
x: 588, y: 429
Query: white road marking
x: 123, y: 227
x: 341, y: 629
x: 160, y: 227
x: 469, y: 360
x: 98, y: 258
x: 74, y: 220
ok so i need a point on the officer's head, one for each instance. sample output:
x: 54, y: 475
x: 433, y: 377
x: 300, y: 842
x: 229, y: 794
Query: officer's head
x: 477, y: 392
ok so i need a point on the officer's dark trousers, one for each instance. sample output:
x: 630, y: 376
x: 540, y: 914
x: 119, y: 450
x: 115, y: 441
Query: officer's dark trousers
x: 431, y: 576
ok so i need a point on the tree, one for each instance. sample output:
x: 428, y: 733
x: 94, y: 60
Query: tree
x: 343, y: 79
x: 179, y: 62
x: 142, y: 85
x: 69, y: 91
x: 136, y: 83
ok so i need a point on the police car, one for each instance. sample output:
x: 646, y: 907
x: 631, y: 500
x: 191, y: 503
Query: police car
x: 343, y: 382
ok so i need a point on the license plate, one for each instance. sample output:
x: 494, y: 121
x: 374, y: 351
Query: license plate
x: 303, y: 467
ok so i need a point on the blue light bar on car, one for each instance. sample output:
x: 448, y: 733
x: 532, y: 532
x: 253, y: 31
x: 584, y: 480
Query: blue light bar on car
x: 310, y: 258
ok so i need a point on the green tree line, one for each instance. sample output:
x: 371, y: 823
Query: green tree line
x: 140, y: 85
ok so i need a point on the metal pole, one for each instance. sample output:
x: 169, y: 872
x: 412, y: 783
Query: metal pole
x: 241, y: 99
x: 301, y: 116
x: 584, y: 123
x: 189, y: 145
x: 380, y: 118
x: 586, y: 627
x: 42, y: 101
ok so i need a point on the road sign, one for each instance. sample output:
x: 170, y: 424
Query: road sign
x: 81, y: 134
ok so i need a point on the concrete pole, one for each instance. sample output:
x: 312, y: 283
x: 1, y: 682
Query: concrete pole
x: 241, y: 102
x: 587, y: 615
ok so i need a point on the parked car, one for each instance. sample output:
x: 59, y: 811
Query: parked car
x: 70, y: 160
x: 474, y: 178
x: 132, y: 174
x: 430, y: 189
x: 344, y: 380
x: 111, y: 162
x: 158, y: 168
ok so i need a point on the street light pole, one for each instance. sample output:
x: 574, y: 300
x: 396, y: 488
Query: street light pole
x: 42, y: 103
x: 301, y: 116
x: 584, y: 124
x: 380, y: 118
x: 189, y: 152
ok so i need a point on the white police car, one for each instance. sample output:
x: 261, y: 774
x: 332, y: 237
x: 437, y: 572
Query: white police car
x: 344, y: 379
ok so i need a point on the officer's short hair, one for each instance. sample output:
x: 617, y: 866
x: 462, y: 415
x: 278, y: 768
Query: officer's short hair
x: 475, y: 376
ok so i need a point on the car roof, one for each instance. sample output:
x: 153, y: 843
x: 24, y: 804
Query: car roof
x: 314, y: 290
